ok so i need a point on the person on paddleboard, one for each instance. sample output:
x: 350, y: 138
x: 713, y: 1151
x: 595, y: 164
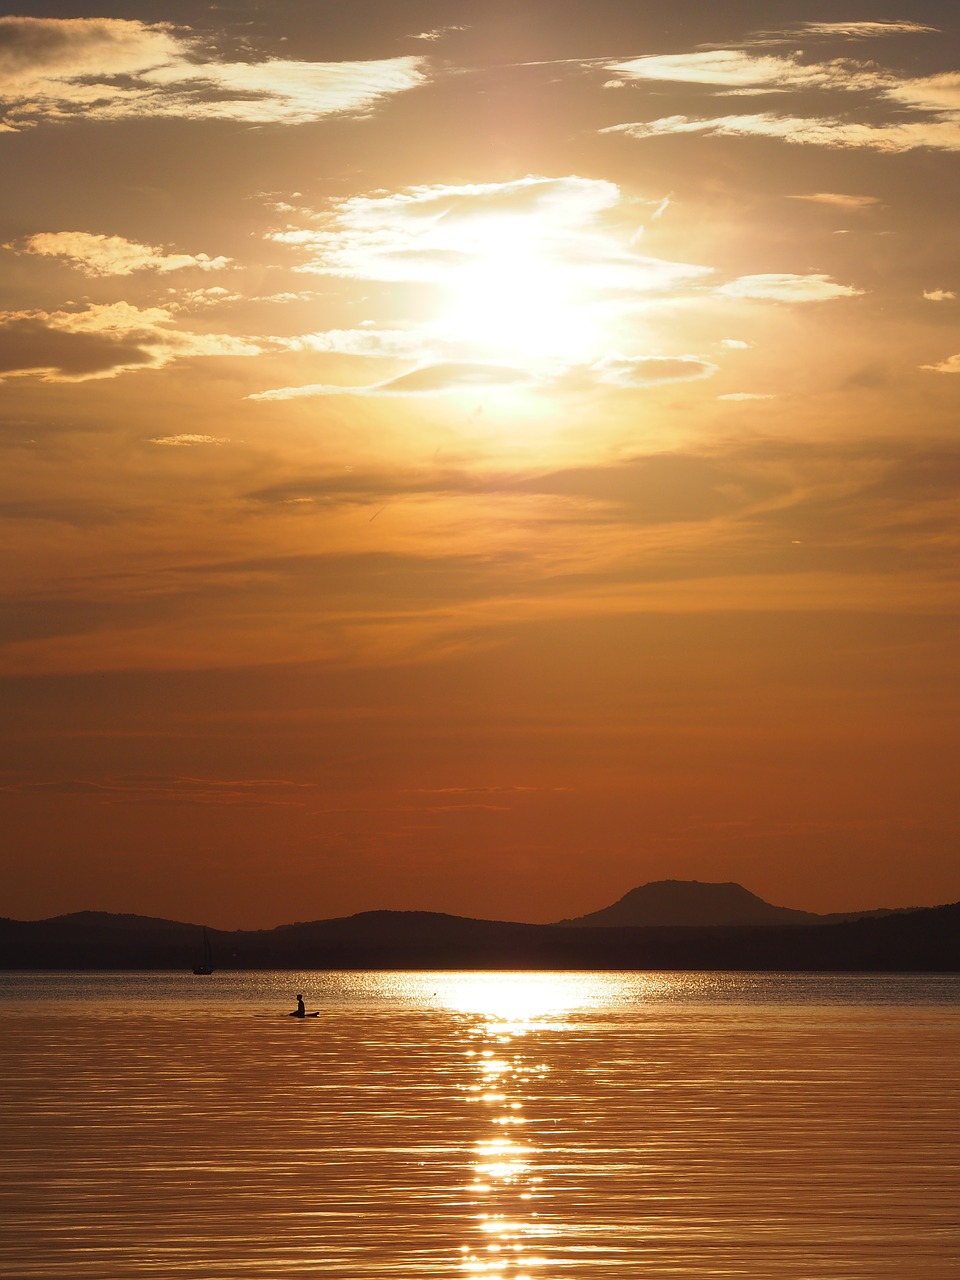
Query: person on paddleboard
x: 301, y: 1010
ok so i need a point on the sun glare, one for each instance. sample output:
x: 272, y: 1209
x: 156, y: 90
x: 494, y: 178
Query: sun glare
x: 519, y: 999
x: 513, y: 294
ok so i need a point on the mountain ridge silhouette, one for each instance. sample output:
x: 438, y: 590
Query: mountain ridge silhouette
x: 907, y: 940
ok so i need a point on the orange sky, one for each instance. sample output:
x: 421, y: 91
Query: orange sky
x: 477, y: 457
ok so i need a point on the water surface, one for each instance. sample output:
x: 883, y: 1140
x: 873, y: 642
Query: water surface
x: 529, y: 1126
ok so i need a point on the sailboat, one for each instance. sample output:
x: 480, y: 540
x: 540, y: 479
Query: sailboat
x: 206, y: 963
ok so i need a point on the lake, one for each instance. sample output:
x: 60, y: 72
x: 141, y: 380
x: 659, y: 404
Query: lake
x: 503, y: 1126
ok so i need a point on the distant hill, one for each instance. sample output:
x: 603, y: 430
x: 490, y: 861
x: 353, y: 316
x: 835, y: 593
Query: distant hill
x: 909, y: 941
x: 691, y: 902
x: 98, y: 940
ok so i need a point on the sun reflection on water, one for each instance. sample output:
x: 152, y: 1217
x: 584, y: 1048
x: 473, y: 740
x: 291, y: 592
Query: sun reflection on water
x: 513, y: 1002
x: 511, y: 1022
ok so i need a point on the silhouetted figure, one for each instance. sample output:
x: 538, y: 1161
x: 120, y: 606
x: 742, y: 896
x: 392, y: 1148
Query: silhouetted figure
x: 301, y: 1011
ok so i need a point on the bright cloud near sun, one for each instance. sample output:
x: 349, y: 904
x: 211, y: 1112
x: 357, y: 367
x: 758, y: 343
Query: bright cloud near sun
x: 539, y: 269
x: 788, y: 288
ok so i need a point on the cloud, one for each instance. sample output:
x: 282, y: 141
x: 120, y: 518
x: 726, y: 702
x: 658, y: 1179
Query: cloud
x: 939, y: 93
x: 659, y: 488
x: 187, y: 440
x: 736, y: 71
x: 904, y: 136
x: 863, y: 30
x: 36, y: 53
x: 453, y: 376
x: 833, y: 31
x: 854, y: 204
x: 950, y: 365
x: 119, y: 69
x: 735, y: 344
x: 385, y: 343
x: 101, y: 255
x: 438, y: 33
x: 740, y: 396
x: 102, y: 341
x: 788, y: 288
x: 203, y: 299
x: 433, y: 379
x: 939, y: 295
x: 537, y: 265
x: 648, y: 371
x: 422, y: 233
x: 934, y: 99
x: 31, y: 344
x: 281, y: 92
x: 437, y: 234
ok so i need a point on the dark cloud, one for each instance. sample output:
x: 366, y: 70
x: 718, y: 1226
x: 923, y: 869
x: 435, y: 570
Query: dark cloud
x: 876, y: 506
x: 451, y: 375
x: 29, y: 345
x: 654, y: 489
x: 649, y: 371
x: 770, y: 508
x: 40, y: 619
x: 82, y: 513
x: 428, y: 379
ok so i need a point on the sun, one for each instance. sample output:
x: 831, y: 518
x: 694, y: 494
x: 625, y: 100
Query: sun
x: 513, y: 291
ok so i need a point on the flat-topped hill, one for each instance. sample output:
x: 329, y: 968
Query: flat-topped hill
x: 700, y: 904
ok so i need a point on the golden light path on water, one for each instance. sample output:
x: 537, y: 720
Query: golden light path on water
x: 515, y: 1010
x: 492, y: 1126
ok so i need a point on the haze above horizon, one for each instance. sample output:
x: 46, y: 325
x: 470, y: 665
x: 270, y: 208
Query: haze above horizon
x: 477, y: 456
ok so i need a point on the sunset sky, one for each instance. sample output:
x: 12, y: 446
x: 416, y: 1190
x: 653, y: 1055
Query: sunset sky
x: 479, y: 456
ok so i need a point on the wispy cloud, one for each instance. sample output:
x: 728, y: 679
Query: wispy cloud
x: 934, y: 100
x: 939, y: 295
x: 834, y: 32
x: 386, y: 343
x: 950, y: 365
x: 735, y: 70
x: 119, y: 69
x: 187, y: 440
x: 788, y: 288
x: 438, y: 33
x: 849, y: 203
x: 744, y: 396
x: 102, y: 255
x: 943, y: 135
x: 277, y: 91
x: 658, y: 488
x: 940, y: 93
x: 862, y: 30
